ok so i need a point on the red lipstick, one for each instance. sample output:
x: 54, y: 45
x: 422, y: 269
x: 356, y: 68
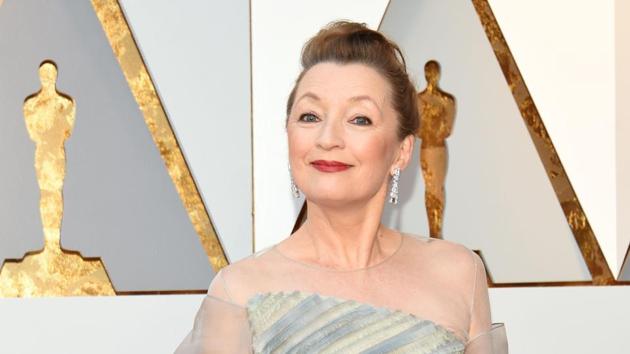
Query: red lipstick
x: 330, y: 166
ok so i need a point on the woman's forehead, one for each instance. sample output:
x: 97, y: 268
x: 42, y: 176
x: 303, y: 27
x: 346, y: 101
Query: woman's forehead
x: 332, y: 82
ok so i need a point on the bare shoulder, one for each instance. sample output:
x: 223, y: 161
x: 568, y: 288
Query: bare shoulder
x: 446, y: 255
x: 247, y: 267
x: 236, y: 280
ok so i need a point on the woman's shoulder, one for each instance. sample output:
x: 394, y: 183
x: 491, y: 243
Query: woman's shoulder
x: 236, y: 280
x: 446, y: 255
x: 437, y: 245
x: 255, y: 263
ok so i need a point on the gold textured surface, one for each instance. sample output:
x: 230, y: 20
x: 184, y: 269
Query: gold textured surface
x: 437, y: 116
x: 576, y: 218
x: 50, y: 117
x: 435, y: 213
x: 122, y: 42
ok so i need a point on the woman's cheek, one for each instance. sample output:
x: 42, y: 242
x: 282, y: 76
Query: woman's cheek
x: 299, y: 147
x: 370, y: 147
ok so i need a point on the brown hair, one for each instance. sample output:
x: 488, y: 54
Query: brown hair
x: 347, y: 42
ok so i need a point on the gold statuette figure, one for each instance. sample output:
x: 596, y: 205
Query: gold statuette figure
x: 52, y: 271
x: 437, y: 114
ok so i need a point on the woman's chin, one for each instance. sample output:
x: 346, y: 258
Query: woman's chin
x: 337, y: 200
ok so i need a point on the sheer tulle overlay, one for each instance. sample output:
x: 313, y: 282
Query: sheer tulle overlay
x: 430, y: 296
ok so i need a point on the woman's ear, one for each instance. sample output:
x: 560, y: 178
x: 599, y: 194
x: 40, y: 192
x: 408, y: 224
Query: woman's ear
x: 405, y: 151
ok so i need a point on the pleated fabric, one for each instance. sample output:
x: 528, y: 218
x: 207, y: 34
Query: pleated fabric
x: 298, y: 322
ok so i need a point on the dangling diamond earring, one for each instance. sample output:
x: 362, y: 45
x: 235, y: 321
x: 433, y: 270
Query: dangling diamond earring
x: 294, y: 188
x: 393, y: 194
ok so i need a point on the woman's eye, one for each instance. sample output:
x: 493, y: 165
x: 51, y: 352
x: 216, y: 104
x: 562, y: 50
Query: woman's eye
x: 361, y: 120
x: 308, y: 118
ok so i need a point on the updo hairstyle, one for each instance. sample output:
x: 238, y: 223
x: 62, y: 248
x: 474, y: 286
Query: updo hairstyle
x: 345, y: 42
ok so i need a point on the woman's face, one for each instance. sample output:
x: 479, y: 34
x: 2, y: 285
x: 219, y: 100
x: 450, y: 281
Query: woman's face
x: 342, y: 132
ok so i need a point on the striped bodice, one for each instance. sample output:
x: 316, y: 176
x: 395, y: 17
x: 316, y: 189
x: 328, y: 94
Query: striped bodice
x: 301, y: 322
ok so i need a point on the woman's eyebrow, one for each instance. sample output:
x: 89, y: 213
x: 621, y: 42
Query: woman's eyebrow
x: 309, y: 95
x: 353, y: 99
x: 366, y: 98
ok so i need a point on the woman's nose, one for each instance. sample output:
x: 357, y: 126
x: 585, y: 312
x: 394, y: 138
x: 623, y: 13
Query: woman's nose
x: 331, y: 134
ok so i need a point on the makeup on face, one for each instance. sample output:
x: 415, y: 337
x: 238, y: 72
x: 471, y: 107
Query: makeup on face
x: 342, y: 133
x: 330, y: 166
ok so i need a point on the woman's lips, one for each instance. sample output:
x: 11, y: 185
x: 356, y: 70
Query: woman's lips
x: 330, y: 166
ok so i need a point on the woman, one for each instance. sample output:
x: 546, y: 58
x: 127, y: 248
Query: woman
x: 343, y: 282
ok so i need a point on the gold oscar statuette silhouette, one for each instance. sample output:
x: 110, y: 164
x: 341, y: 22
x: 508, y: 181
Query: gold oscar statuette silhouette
x: 53, y: 271
x: 437, y: 115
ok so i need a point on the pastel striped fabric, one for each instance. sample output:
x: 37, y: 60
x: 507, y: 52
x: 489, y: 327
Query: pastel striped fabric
x: 301, y: 322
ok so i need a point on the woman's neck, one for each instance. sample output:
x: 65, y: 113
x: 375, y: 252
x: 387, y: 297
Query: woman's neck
x: 345, y: 238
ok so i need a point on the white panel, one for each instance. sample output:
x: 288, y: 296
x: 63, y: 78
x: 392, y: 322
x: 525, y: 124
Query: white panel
x: 198, y: 55
x: 498, y: 196
x: 96, y: 325
x: 279, y: 30
x: 548, y: 320
x: 567, y: 59
x: 622, y: 63
x: 576, y: 320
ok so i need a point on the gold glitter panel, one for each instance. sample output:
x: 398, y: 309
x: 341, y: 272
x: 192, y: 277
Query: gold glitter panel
x: 122, y: 42
x: 50, y: 117
x: 589, y: 247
